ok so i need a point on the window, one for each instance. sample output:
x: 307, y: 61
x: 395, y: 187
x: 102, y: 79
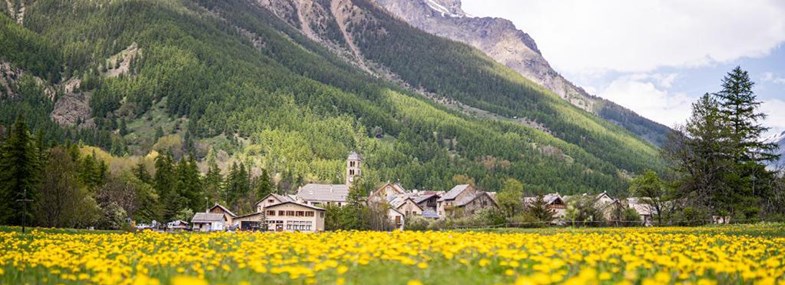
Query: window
x: 290, y: 213
x: 271, y: 201
x: 309, y: 214
x: 321, y: 214
x: 300, y: 213
x: 351, y: 164
x: 271, y: 213
x: 351, y: 171
x: 281, y: 213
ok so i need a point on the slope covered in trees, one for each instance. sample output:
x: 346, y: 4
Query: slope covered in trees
x: 231, y: 81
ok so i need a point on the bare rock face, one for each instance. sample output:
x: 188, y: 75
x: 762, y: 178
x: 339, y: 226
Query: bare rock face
x: 498, y: 38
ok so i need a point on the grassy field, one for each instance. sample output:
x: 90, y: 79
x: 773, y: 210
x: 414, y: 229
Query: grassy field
x: 736, y: 254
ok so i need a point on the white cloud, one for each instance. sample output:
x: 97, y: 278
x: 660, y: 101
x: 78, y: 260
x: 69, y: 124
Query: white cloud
x: 579, y: 36
x: 775, y: 112
x: 644, y: 93
x: 771, y: 77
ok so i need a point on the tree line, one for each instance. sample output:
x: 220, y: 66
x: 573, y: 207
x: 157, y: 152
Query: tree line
x: 718, y: 162
x: 58, y: 185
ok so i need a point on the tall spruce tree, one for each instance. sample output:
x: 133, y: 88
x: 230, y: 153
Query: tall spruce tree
x: 19, y: 174
x: 738, y: 107
x: 164, y: 183
x: 748, y: 179
x: 264, y: 186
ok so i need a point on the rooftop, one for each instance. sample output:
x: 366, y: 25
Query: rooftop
x: 324, y: 192
x: 207, y: 218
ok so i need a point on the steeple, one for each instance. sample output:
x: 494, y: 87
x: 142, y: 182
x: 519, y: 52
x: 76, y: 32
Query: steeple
x: 353, y: 163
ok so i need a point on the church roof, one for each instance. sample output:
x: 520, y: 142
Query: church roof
x: 354, y: 156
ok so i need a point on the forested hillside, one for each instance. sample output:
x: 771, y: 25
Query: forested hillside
x: 232, y: 81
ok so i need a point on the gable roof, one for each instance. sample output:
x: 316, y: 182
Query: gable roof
x: 324, y: 192
x: 395, y: 186
x: 208, y: 218
x: 280, y: 198
x: 354, y: 156
x: 298, y: 204
x: 466, y: 200
x: 423, y: 197
x: 401, y: 200
x: 454, y: 192
x: 223, y: 209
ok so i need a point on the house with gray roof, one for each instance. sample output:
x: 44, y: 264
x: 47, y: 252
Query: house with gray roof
x: 320, y: 195
x: 208, y: 222
x: 464, y: 200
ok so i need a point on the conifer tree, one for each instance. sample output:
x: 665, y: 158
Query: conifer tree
x: 19, y: 174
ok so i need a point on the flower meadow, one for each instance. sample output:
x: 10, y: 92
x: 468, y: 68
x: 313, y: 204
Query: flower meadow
x: 707, y: 255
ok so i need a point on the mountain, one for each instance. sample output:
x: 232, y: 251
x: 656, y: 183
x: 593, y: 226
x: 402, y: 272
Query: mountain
x: 502, y: 41
x: 780, y: 141
x: 293, y: 87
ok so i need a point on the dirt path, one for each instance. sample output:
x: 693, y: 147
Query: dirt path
x: 303, y: 5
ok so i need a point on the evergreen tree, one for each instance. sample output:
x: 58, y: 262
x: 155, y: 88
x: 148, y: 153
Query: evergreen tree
x: 140, y: 171
x: 164, y: 183
x: 20, y: 173
x: 738, y: 107
x: 189, y: 184
x: 264, y: 186
x: 213, y: 183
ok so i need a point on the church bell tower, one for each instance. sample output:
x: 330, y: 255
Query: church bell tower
x: 353, y: 163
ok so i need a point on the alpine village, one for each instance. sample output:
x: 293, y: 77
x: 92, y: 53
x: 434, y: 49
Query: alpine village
x: 376, y: 142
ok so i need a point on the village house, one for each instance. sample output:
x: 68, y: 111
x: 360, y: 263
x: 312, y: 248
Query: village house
x: 553, y: 202
x: 464, y: 200
x: 292, y: 216
x: 645, y: 210
x: 386, y: 193
x: 208, y: 222
x: 272, y: 199
x: 219, y: 209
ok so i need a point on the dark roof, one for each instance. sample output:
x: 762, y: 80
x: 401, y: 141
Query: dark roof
x: 324, y: 192
x: 299, y: 204
x: 430, y: 213
x: 208, y: 218
x: 224, y: 209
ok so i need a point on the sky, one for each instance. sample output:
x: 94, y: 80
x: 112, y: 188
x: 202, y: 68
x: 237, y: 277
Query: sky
x: 657, y: 57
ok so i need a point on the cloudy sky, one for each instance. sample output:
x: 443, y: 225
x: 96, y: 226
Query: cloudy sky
x: 657, y: 56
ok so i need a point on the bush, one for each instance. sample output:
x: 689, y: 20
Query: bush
x: 416, y: 223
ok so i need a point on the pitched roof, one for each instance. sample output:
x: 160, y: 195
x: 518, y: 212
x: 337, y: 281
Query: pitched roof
x: 354, y: 156
x: 454, y: 192
x: 280, y: 198
x: 420, y: 198
x: 298, y: 204
x: 468, y: 199
x: 224, y: 209
x: 208, y: 218
x: 324, y: 192
x: 400, y: 201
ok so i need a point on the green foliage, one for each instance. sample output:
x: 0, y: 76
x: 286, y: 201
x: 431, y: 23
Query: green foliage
x: 510, y: 199
x: 296, y: 109
x: 539, y: 212
x: 719, y: 156
x: 19, y: 174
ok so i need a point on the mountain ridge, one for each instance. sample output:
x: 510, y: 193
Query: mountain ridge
x: 243, y: 81
x: 502, y: 41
